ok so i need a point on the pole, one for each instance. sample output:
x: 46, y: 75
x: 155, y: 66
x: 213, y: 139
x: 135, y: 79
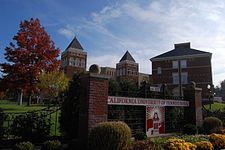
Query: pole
x: 180, y: 81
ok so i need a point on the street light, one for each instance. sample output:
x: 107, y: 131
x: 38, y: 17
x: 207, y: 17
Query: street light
x: 209, y: 91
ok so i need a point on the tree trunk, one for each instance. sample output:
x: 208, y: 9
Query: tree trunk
x: 20, y: 97
x: 29, y: 99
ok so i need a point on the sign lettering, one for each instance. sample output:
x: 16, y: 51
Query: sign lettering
x: 112, y: 100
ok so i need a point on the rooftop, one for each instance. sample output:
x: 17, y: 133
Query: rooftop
x: 75, y: 44
x: 127, y: 56
x: 181, y: 49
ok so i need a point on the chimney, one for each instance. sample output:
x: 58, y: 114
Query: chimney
x: 182, y: 45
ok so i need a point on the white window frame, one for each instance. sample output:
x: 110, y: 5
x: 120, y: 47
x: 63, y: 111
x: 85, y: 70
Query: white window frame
x: 175, y: 77
x: 175, y: 64
x: 183, y: 63
x: 159, y: 70
x: 184, y: 78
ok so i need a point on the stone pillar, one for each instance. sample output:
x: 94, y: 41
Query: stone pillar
x: 193, y: 113
x: 93, y: 104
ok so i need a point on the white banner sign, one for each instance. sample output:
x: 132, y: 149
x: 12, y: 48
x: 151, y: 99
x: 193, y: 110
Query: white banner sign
x: 112, y: 100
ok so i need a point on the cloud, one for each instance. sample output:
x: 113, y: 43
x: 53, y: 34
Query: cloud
x: 102, y: 59
x: 67, y: 32
x: 150, y: 28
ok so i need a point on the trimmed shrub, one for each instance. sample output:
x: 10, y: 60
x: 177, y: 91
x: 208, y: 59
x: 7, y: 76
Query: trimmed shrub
x: 204, y: 145
x: 140, y: 136
x: 51, y: 145
x: 2, y: 118
x: 24, y: 146
x: 174, y: 144
x: 217, y: 140
x: 212, y: 125
x: 189, y: 129
x: 109, y: 136
x: 31, y: 126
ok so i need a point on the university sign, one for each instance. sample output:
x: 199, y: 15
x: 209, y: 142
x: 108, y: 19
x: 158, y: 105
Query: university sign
x: 112, y: 100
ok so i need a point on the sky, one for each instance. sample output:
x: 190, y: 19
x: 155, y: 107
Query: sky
x: 106, y: 29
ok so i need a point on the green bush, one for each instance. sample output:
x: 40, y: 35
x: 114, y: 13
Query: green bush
x: 109, y: 136
x: 158, y: 142
x: 32, y: 126
x: 212, y: 125
x: 51, y: 145
x: 2, y: 118
x: 24, y: 146
x: 140, y: 136
x: 189, y: 129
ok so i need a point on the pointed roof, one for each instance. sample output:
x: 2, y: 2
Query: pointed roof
x: 75, y: 44
x: 182, y: 49
x: 127, y: 56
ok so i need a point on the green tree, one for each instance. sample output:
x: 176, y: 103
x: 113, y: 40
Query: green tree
x: 220, y: 90
x: 128, y: 87
x: 53, y: 83
x: 114, y: 88
x: 70, y: 108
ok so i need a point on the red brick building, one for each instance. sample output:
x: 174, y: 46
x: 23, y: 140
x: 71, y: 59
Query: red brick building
x: 180, y: 66
x: 109, y: 72
x: 73, y: 59
x: 127, y: 68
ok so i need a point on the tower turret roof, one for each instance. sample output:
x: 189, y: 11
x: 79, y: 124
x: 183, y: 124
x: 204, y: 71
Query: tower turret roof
x: 127, y: 56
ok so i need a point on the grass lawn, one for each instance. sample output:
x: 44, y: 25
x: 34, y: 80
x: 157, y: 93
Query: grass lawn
x: 12, y: 107
x: 215, y: 106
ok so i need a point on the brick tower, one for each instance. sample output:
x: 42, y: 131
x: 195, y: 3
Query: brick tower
x: 73, y: 59
x: 127, y: 68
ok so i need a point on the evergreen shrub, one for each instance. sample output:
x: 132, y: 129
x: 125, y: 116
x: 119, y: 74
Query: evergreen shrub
x: 110, y: 136
x: 190, y: 129
x: 70, y: 108
x: 31, y: 126
x: 212, y: 125
x: 140, y: 136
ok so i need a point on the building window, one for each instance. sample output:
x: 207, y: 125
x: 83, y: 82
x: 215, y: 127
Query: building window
x: 175, y: 78
x: 159, y: 70
x: 124, y: 71
x: 175, y: 64
x: 121, y: 71
x: 83, y: 63
x: 184, y: 77
x: 183, y: 63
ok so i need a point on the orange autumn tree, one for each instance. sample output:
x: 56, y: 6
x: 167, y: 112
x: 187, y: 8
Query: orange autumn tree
x: 32, y: 53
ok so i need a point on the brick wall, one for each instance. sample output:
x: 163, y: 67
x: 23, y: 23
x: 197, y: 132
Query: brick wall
x: 93, y: 104
x: 193, y: 113
x: 198, y: 69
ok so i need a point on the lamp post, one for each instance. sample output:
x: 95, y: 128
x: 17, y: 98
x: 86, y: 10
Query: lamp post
x: 209, y: 91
